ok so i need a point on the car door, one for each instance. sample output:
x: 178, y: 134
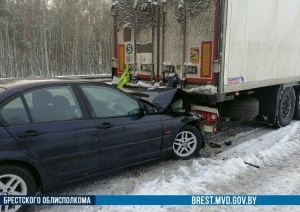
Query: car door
x: 124, y: 138
x: 51, y: 123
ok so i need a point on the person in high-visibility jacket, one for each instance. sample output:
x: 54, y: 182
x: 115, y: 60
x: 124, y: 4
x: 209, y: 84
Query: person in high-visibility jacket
x: 125, y: 78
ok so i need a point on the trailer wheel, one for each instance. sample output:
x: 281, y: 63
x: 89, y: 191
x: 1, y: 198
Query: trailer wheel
x: 286, y: 107
x: 297, y: 106
x: 241, y: 108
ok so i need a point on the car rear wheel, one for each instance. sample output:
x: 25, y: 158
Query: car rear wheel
x: 15, y: 180
x: 187, y: 143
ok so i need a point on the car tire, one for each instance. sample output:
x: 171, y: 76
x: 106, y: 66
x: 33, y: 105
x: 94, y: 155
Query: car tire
x: 16, y: 180
x: 240, y: 108
x: 286, y: 107
x: 297, y: 106
x: 187, y: 143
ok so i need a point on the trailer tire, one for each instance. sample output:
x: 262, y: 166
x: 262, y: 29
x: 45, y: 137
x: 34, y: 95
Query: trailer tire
x: 241, y: 108
x: 297, y: 106
x: 286, y: 107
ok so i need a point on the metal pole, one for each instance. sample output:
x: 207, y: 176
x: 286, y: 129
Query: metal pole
x: 152, y: 40
x: 184, y: 33
x: 224, y: 8
x: 158, y: 42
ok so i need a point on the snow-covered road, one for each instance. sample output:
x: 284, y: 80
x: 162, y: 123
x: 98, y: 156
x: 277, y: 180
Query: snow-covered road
x: 276, y: 152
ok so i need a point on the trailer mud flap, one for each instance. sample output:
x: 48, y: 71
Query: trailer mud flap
x: 268, y: 103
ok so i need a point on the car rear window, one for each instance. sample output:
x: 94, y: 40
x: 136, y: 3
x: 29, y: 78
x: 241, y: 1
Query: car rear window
x: 14, y: 113
x: 2, y: 89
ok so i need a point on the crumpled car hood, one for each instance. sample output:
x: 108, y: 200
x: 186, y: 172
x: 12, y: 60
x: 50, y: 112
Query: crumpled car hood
x: 166, y: 99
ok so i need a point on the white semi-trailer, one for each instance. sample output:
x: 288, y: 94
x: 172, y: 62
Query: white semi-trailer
x: 236, y: 58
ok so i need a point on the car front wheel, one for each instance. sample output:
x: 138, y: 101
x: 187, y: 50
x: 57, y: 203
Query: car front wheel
x: 15, y: 180
x: 187, y: 143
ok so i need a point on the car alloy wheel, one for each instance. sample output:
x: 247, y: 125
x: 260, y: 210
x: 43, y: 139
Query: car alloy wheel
x: 15, y: 180
x: 187, y: 143
x: 11, y: 184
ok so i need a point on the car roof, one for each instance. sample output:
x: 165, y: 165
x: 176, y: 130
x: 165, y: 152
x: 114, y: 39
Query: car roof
x: 11, y: 86
x: 20, y: 82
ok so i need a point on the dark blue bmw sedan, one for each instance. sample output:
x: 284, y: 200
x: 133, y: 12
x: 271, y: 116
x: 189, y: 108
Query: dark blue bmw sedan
x: 55, y: 131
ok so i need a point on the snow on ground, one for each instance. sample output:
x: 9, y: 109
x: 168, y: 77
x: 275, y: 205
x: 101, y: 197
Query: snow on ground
x: 275, y: 152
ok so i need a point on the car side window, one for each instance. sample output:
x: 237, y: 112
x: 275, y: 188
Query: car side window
x: 108, y: 102
x: 14, y: 113
x: 53, y: 104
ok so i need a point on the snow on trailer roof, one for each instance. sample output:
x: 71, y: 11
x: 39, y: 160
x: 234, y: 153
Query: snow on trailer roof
x: 127, y: 10
x: 156, y: 2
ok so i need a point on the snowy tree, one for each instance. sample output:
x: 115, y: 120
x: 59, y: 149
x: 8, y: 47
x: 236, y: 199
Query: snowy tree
x: 57, y: 37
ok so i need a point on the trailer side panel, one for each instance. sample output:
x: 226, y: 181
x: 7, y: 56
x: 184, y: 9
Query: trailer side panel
x: 262, y: 43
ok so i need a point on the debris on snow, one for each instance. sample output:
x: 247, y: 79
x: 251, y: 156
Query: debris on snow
x: 250, y: 164
x: 214, y: 145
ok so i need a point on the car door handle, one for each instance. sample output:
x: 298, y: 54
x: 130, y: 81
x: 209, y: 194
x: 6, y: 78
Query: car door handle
x: 105, y: 126
x: 29, y: 134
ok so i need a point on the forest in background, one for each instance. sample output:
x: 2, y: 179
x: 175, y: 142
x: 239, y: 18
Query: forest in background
x: 55, y: 37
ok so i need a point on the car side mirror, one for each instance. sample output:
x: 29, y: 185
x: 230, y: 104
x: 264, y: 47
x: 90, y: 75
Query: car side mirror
x: 151, y: 111
x: 136, y: 113
x: 148, y: 107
